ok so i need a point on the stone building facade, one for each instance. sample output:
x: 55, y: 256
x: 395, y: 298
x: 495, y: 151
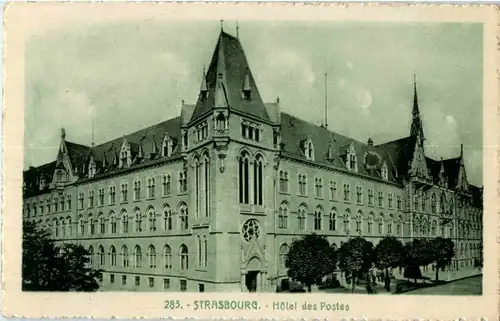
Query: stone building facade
x: 212, y: 199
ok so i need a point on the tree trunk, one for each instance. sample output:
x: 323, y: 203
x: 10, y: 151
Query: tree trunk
x: 353, y: 280
x: 308, y: 288
x: 437, y: 272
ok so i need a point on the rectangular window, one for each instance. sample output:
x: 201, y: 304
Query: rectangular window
x: 151, y: 282
x: 183, y: 285
x: 124, y: 279
x: 359, y: 194
x: 380, y: 199
x: 370, y: 196
x: 399, y: 202
x: 389, y: 200
x: 166, y: 284
x: 333, y: 190
x: 137, y: 280
x: 201, y: 287
x: 111, y: 278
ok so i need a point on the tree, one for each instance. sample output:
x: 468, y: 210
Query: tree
x: 310, y: 259
x: 48, y: 267
x: 418, y: 252
x: 355, y: 256
x: 443, y: 251
x: 388, y: 254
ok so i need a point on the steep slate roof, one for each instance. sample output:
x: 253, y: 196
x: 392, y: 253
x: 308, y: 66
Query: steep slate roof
x: 78, y: 154
x: 477, y: 195
x: 452, y: 168
x: 399, y: 153
x: 230, y: 61
x: 294, y: 131
x: 145, y: 139
x: 33, y: 175
x: 434, y: 167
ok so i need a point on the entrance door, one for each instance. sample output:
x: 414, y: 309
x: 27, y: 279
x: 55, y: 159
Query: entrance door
x: 251, y: 281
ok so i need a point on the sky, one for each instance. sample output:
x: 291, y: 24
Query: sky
x: 132, y: 74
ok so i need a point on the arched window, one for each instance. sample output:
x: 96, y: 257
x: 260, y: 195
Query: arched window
x: 152, y: 256
x: 152, y: 219
x: 56, y: 227
x: 81, y: 224
x: 205, y: 251
x: 91, y: 224
x: 359, y: 222
x: 433, y: 203
x: 370, y: 223
x: 102, y: 228
x: 424, y: 201
x: 451, y: 230
x: 257, y: 180
x: 138, y: 220
x: 183, y: 216
x: 318, y: 213
x: 206, y: 185
x: 244, y: 182
x: 124, y: 255
x: 332, y: 222
x: 167, y: 257
x: 184, y: 257
x: 124, y: 221
x: 69, y: 226
x: 112, y: 222
x: 390, y: 221
x: 452, y: 206
x: 309, y: 149
x: 91, y: 255
x: 282, y: 255
x: 166, y: 183
x: 63, y: 227
x: 442, y: 203
x: 400, y: 225
x: 167, y: 218
x: 112, y: 255
x: 347, y: 221
x: 301, y: 214
x: 101, y: 256
x: 283, y: 216
x: 137, y: 257
x: 200, y: 254
x: 381, y: 224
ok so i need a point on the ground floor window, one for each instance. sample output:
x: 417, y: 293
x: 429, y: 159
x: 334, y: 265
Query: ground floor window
x: 111, y: 278
x: 183, y: 285
x: 137, y: 281
x: 201, y: 287
x: 100, y: 277
x: 151, y: 282
x: 166, y: 284
x: 124, y: 279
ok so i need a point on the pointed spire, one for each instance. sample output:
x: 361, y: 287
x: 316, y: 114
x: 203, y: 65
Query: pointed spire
x: 141, y: 152
x: 221, y: 24
x: 115, y: 158
x: 104, y: 163
x: 237, y: 30
x: 63, y: 133
x: 461, y: 150
x: 416, y: 124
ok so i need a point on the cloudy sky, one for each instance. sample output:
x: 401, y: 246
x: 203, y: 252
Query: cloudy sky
x: 134, y: 74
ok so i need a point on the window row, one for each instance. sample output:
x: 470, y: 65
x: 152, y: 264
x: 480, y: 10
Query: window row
x: 151, y: 282
x: 137, y: 193
x: 56, y: 204
x: 378, y: 224
x: 420, y: 203
x: 251, y: 131
x: 135, y: 259
x: 134, y: 223
x: 302, y: 189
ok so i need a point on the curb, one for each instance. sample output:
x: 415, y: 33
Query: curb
x: 447, y: 282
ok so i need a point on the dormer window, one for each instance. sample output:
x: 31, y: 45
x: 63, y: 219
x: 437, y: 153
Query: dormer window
x: 309, y: 149
x: 352, y: 162
x: 92, y: 168
x: 384, y: 172
x: 220, y: 122
x: 125, y: 158
x: 167, y: 147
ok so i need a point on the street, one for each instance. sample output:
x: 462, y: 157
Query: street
x: 468, y: 286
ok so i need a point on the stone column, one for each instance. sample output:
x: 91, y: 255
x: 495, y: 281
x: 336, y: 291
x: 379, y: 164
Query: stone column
x: 243, y: 286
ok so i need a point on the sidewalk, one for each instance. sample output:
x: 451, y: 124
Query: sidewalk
x: 446, y: 276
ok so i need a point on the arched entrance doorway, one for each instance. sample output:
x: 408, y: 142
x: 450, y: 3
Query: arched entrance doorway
x: 252, y: 278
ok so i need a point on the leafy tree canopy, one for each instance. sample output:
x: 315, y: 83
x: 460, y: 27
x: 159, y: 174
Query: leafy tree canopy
x: 389, y: 253
x: 309, y: 259
x: 48, y: 267
x: 355, y: 255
